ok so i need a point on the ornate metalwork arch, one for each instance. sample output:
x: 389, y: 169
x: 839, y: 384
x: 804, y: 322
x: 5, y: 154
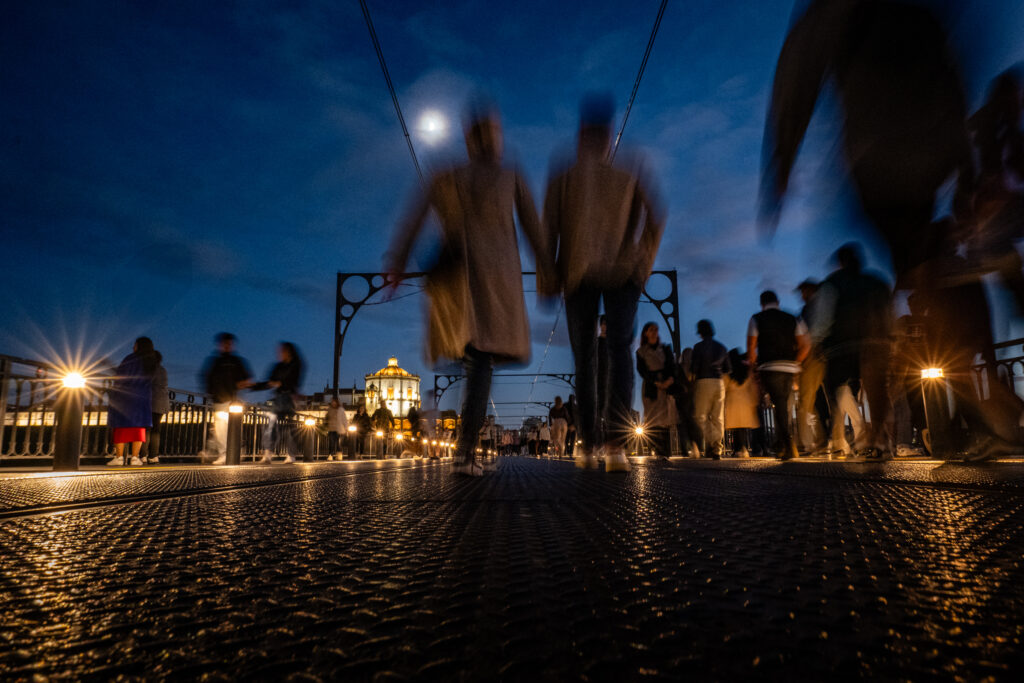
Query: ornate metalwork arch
x: 345, y: 309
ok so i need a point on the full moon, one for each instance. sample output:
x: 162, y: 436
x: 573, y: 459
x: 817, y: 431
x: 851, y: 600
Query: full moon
x: 432, y: 126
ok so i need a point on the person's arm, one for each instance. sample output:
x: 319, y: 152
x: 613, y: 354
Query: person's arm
x: 752, y: 343
x: 726, y: 362
x: 824, y: 312
x: 547, y: 254
x: 647, y: 202
x: 799, y: 75
x: 397, y: 255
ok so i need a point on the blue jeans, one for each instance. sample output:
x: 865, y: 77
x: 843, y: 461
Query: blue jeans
x: 581, y: 315
x: 479, y: 365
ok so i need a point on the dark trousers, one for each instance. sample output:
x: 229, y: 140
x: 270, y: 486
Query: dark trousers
x: 779, y: 386
x: 581, y: 314
x: 151, y: 446
x: 661, y: 441
x: 478, y: 366
x: 332, y: 443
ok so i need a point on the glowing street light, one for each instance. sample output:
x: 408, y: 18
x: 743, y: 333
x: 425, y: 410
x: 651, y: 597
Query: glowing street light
x: 236, y: 408
x: 639, y: 431
x: 932, y: 373
x: 309, y: 422
x: 73, y: 380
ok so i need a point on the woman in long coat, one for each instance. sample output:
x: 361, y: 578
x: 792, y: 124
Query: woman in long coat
x: 657, y: 367
x: 129, y: 412
x: 477, y: 312
x: 742, y: 399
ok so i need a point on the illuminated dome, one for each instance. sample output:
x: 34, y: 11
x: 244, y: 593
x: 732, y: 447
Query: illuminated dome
x: 393, y: 387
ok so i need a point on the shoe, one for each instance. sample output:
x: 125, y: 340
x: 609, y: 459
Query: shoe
x: 988, y: 448
x: 115, y: 462
x: 266, y: 459
x: 788, y: 453
x: 743, y: 453
x: 220, y: 460
x: 153, y: 461
x: 615, y: 460
x: 875, y: 454
x: 289, y: 459
x: 694, y: 451
x: 586, y: 461
x: 136, y: 462
x: 468, y: 469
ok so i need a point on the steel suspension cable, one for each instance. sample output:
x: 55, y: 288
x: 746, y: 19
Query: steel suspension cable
x: 639, y: 75
x: 391, y: 87
x: 547, y: 347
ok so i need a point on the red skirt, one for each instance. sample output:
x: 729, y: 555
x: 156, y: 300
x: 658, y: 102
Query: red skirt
x: 129, y: 434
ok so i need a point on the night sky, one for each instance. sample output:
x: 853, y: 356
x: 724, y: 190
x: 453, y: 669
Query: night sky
x: 177, y: 169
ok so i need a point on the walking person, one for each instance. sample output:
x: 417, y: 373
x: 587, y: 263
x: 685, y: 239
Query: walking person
x: 604, y: 226
x: 543, y: 438
x: 742, y: 401
x: 161, y: 404
x: 776, y: 344
x: 812, y: 413
x: 223, y: 375
x: 709, y: 364
x: 363, y: 425
x: 477, y: 309
x: 657, y: 368
x: 130, y: 411
x: 285, y: 379
x: 570, y: 437
x: 337, y: 427
x: 558, y: 418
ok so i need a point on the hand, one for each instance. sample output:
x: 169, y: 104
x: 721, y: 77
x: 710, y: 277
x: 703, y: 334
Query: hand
x: 392, y: 279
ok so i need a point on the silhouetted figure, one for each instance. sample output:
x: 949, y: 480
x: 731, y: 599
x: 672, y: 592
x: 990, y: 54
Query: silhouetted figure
x: 709, y: 364
x: 853, y: 314
x: 657, y: 367
x: 161, y: 404
x: 223, y: 374
x: 285, y: 380
x: 777, y: 342
x: 477, y: 311
x: 998, y: 208
x: 604, y: 226
x: 813, y: 407
x: 742, y: 400
x: 904, y: 129
x: 130, y: 411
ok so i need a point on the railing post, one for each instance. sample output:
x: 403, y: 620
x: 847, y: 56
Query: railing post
x: 5, y: 371
x: 68, y: 442
x: 234, y: 435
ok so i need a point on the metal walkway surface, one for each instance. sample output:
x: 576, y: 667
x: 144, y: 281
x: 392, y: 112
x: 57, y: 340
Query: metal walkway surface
x: 397, y: 570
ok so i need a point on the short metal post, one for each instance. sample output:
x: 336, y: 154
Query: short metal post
x: 937, y: 419
x: 234, y: 435
x: 68, y: 442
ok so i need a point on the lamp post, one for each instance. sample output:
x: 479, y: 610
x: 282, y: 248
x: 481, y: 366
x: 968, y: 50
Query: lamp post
x: 307, y: 441
x: 399, y: 437
x: 67, y: 447
x: 380, y: 444
x: 233, y: 456
x: 936, y: 419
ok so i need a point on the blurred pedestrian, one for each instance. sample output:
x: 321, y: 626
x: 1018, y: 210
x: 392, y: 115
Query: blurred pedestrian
x: 337, y: 428
x: 776, y: 344
x: 558, y: 418
x: 364, y: 425
x: 812, y: 413
x: 223, y: 375
x: 571, y: 437
x: 742, y: 403
x: 130, y: 411
x: 161, y: 405
x: 604, y: 226
x: 477, y: 310
x: 657, y: 368
x: 710, y: 363
x: 854, y: 318
x: 285, y: 380
x: 543, y: 438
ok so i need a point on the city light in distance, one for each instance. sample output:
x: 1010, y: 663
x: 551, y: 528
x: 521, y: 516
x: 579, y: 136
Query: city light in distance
x: 74, y: 380
x: 932, y: 373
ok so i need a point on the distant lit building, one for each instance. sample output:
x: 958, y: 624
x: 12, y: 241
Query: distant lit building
x: 396, y: 388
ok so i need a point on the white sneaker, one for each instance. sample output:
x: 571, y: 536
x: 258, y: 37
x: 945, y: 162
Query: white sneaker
x: 288, y: 459
x: 694, y: 451
x: 586, y: 461
x: 469, y: 469
x: 743, y: 453
x: 153, y: 461
x: 115, y: 462
x: 136, y: 462
x: 220, y: 460
x: 266, y: 457
x: 615, y: 460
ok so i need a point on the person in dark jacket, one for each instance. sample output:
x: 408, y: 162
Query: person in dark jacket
x: 130, y: 410
x: 223, y: 375
x: 363, y: 425
x: 285, y: 379
x: 777, y: 343
x: 161, y: 405
x: 657, y: 367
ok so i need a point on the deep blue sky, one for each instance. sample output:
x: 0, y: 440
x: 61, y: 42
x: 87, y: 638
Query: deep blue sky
x: 178, y: 170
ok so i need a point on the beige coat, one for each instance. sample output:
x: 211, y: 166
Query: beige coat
x: 476, y: 293
x: 603, y: 224
x: 741, y: 403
